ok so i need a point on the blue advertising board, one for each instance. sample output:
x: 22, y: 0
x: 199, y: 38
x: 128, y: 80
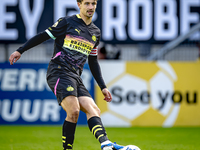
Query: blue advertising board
x: 26, y: 99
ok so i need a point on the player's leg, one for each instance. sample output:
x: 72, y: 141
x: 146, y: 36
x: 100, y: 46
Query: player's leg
x: 64, y: 87
x: 92, y: 111
x: 71, y: 105
x: 88, y: 106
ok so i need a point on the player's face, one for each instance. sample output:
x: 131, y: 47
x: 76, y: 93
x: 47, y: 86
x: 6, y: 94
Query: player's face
x: 88, y: 7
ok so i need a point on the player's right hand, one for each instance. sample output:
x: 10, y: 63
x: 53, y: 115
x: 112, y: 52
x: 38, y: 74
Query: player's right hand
x: 14, y: 57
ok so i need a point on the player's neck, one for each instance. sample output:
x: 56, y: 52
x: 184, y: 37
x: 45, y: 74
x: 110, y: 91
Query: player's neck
x: 87, y: 20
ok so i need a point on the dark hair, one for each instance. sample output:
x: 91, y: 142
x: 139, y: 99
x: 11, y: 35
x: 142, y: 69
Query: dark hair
x: 79, y: 1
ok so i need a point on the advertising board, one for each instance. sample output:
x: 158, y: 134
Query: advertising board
x: 25, y: 97
x: 151, y: 94
x: 121, y: 21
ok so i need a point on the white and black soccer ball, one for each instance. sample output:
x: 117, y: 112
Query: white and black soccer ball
x: 130, y: 147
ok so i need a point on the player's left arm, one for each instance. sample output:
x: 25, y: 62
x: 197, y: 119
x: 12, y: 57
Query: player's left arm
x: 96, y: 72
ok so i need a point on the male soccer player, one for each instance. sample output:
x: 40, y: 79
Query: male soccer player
x: 76, y: 39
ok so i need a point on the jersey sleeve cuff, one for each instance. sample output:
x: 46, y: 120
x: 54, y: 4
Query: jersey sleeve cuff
x: 20, y: 50
x: 103, y: 87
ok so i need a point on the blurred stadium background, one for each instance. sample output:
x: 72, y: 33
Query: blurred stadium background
x: 149, y: 56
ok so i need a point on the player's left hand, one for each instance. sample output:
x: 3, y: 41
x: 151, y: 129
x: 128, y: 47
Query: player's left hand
x: 107, y: 95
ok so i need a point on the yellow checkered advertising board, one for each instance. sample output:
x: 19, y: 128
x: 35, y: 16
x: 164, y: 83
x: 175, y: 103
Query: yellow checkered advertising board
x: 151, y: 93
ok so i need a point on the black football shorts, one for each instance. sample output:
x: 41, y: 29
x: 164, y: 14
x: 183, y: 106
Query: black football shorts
x: 65, y: 83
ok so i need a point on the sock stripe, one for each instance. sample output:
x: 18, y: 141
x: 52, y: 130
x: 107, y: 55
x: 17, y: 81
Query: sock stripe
x: 97, y: 130
x: 95, y: 127
x: 63, y: 137
x: 63, y: 141
x: 69, y: 145
x: 100, y: 136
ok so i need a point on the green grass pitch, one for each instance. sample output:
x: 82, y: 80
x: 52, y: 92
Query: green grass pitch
x: 147, y: 138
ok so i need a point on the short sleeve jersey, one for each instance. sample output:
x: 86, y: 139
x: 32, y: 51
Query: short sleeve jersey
x: 74, y: 42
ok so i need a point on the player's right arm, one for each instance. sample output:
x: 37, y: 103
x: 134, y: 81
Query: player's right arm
x: 58, y: 29
x: 34, y: 41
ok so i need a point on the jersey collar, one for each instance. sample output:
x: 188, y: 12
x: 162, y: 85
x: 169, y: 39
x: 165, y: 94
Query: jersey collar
x: 78, y: 16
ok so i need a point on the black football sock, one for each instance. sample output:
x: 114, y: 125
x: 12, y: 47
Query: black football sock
x: 96, y: 127
x: 68, y: 134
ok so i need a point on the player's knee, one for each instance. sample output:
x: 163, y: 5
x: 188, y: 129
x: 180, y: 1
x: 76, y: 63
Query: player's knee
x: 73, y: 116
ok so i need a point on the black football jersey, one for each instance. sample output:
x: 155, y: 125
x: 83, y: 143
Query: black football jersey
x: 74, y: 42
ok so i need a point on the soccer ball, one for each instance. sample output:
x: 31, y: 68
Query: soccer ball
x: 130, y: 147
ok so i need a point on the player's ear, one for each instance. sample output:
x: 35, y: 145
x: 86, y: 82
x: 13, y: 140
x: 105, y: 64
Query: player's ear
x: 79, y: 5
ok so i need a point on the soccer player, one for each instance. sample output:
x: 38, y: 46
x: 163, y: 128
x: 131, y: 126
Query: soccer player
x: 76, y: 40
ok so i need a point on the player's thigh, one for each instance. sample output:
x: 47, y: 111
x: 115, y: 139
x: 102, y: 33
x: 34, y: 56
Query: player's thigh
x: 88, y: 106
x: 70, y: 104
